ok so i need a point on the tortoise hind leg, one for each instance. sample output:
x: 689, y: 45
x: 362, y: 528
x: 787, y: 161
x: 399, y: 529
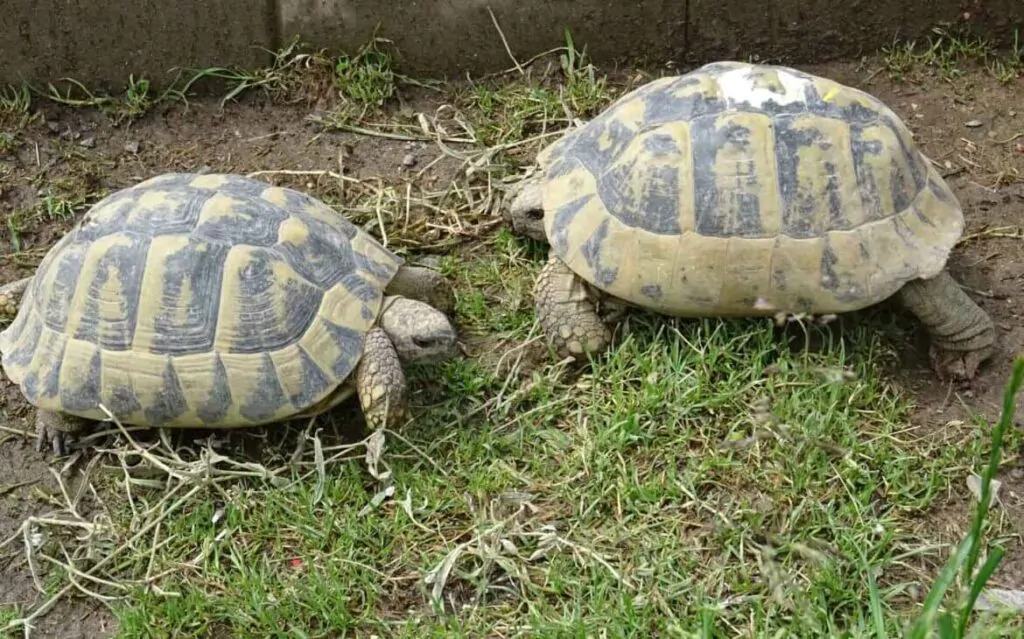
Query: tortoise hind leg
x: 962, y: 334
x: 380, y: 382
x: 57, y: 430
x: 11, y: 295
x: 567, y: 315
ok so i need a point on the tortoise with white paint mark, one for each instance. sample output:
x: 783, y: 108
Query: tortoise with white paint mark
x: 218, y: 301
x: 745, y: 190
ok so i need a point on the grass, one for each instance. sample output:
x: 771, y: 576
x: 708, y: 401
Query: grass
x: 507, y: 111
x: 703, y: 471
x: 948, y: 51
x: 704, y: 478
x: 59, y: 201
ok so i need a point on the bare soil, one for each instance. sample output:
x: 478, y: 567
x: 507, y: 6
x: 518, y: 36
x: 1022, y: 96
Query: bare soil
x: 965, y: 126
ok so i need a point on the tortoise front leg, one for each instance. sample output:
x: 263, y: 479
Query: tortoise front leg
x: 380, y: 382
x: 57, y: 430
x: 567, y: 315
x: 962, y: 334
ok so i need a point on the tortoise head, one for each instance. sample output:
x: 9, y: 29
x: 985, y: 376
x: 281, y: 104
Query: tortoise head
x: 526, y: 212
x: 421, y: 333
x: 425, y: 284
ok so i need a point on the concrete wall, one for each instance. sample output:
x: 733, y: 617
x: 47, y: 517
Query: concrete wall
x: 43, y: 40
x: 100, y: 42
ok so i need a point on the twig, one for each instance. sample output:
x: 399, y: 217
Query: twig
x: 1002, y: 231
x: 526, y: 63
x: 332, y: 174
x: 380, y: 219
x: 504, y: 41
x: 1010, y: 139
x: 16, y: 431
x: 351, y: 128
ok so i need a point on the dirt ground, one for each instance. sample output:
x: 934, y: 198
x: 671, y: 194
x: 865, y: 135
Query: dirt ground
x: 965, y: 127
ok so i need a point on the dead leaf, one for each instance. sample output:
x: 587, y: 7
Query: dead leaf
x: 997, y: 598
x: 974, y: 485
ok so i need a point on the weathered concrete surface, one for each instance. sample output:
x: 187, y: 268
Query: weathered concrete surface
x: 101, y: 43
x: 439, y: 37
x: 810, y: 31
x: 454, y: 36
x: 42, y: 40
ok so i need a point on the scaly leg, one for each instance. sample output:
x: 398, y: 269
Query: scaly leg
x: 380, y: 382
x: 567, y: 315
x: 962, y: 335
x: 10, y: 296
x: 57, y: 430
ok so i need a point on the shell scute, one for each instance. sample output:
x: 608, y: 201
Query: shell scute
x: 104, y: 307
x: 180, y: 314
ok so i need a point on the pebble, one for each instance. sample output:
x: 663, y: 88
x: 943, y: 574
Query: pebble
x: 409, y: 160
x: 132, y: 147
x: 53, y: 126
x: 973, y: 123
x: 88, y: 142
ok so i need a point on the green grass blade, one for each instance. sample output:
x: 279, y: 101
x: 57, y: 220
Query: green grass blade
x: 1005, y: 419
x: 978, y: 585
x: 931, y: 603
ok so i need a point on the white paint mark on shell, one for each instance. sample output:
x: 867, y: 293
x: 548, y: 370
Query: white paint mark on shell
x: 738, y: 87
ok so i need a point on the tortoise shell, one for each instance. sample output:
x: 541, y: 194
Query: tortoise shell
x: 198, y: 301
x: 741, y: 189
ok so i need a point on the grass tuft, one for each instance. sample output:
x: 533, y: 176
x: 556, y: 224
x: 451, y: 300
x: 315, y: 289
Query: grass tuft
x: 366, y: 78
x: 947, y: 51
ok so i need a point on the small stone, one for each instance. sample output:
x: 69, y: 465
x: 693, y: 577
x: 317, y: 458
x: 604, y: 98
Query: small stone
x: 132, y: 147
x: 88, y: 142
x: 409, y: 160
x: 973, y: 123
x: 53, y: 126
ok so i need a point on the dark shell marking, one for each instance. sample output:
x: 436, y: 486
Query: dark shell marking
x: 193, y: 300
x: 737, y: 175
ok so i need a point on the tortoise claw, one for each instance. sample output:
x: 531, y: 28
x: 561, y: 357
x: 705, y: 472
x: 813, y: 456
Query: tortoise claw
x: 57, y: 441
x: 56, y: 432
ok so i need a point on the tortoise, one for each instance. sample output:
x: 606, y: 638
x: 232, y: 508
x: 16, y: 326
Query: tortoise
x: 218, y: 301
x: 745, y: 190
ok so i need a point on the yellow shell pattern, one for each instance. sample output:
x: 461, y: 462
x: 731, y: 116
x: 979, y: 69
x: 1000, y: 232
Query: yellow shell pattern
x: 744, y: 190
x: 198, y: 300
